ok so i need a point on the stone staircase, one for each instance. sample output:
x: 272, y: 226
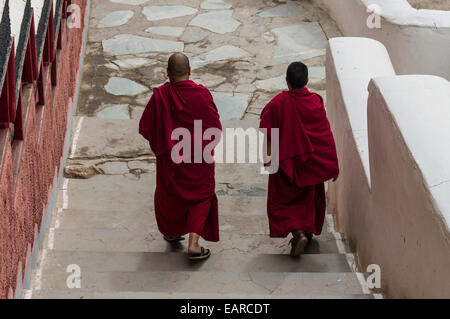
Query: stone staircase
x: 106, y: 226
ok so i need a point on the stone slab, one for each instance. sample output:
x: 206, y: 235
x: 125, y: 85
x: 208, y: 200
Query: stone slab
x: 285, y: 10
x: 226, y: 52
x: 132, y: 63
x: 299, y: 41
x: 215, y: 5
x: 213, y: 282
x: 133, y: 44
x: 115, y: 112
x: 167, y: 31
x: 220, y: 22
x: 177, y: 262
x: 231, y: 105
x: 116, y: 18
x: 101, y: 138
x: 156, y: 13
x: 123, y: 86
x: 87, y: 294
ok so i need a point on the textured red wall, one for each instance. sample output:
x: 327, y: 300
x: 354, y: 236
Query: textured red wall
x: 36, y: 158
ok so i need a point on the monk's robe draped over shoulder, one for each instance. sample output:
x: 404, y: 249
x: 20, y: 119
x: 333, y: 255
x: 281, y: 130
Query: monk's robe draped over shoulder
x: 307, y: 158
x: 185, y: 199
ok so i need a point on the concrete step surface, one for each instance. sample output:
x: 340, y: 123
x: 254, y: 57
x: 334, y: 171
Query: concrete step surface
x: 88, y: 294
x: 57, y: 261
x: 85, y: 239
x: 271, y: 283
x: 106, y: 226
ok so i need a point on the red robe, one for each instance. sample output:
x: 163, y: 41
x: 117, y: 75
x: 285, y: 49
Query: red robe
x: 185, y: 198
x: 307, y: 158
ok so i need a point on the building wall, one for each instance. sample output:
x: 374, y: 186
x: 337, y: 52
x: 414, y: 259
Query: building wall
x: 395, y: 213
x: 417, y: 40
x: 408, y: 120
x: 36, y: 163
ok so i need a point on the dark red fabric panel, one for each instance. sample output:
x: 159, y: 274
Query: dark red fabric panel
x: 185, y: 199
x: 307, y: 158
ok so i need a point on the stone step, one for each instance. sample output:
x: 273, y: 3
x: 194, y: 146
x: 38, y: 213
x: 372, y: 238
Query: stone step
x: 118, y: 138
x: 138, y: 199
x: 239, y: 173
x: 86, y: 294
x: 142, y: 200
x: 119, y: 179
x: 143, y: 221
x: 268, y: 283
x: 139, y: 221
x: 116, y: 184
x: 129, y: 241
x: 57, y: 261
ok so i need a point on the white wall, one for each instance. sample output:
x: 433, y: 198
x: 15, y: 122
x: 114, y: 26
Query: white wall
x: 409, y: 130
x: 393, y: 204
x: 16, y: 11
x: 351, y: 64
x: 418, y: 41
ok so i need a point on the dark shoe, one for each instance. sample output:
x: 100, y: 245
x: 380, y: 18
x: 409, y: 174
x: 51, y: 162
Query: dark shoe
x: 298, y: 242
x: 204, y: 254
x: 173, y: 239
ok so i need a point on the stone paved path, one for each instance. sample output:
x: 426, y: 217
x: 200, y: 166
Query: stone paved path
x: 105, y: 219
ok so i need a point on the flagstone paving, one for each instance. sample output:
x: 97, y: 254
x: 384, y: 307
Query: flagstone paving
x: 155, y: 13
x: 121, y: 86
x: 216, y: 21
x: 115, y: 112
x: 104, y: 221
x: 132, y: 63
x: 286, y: 10
x: 215, y: 4
x: 169, y: 31
x: 116, y: 18
x: 132, y: 44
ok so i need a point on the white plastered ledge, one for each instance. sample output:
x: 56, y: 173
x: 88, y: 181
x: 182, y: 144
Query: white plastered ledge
x: 420, y: 106
x: 402, y: 13
x: 357, y: 61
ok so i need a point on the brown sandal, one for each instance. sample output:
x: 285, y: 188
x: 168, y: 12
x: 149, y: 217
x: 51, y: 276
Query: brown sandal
x: 204, y: 254
x: 298, y: 242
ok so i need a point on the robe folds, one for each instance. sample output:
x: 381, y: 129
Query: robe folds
x: 185, y: 199
x: 307, y: 159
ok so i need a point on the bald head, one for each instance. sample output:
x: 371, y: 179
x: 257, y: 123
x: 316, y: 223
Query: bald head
x: 178, y: 67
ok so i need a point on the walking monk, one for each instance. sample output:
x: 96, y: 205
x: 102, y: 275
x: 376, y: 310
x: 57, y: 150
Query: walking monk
x: 306, y: 157
x: 185, y: 199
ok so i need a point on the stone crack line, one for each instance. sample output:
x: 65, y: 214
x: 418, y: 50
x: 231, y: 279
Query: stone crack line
x: 252, y: 280
x: 439, y: 184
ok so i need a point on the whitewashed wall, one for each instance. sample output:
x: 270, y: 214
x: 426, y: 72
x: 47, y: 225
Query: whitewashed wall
x: 16, y: 11
x: 393, y: 204
x: 418, y: 41
x: 409, y: 134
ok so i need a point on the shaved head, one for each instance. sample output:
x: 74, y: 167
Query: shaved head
x: 178, y: 66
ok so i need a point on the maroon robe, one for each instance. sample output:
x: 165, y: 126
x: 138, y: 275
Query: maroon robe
x: 307, y: 158
x: 185, y: 198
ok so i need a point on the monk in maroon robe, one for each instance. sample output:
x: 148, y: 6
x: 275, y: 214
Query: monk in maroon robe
x: 185, y: 198
x: 307, y: 158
